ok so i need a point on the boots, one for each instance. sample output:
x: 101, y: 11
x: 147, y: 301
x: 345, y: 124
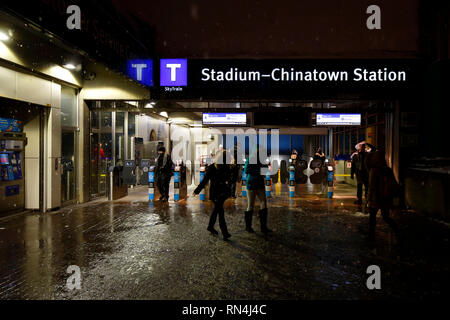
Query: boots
x: 263, y: 220
x: 248, y: 221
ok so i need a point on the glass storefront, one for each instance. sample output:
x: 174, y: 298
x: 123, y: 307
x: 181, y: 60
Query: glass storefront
x: 69, y: 125
x: 101, y: 147
x: 110, y: 144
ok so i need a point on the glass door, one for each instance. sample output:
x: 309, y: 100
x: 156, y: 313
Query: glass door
x: 68, y: 178
x: 101, y: 152
x: 69, y: 124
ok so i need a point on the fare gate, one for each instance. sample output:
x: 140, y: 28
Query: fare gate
x: 180, y: 186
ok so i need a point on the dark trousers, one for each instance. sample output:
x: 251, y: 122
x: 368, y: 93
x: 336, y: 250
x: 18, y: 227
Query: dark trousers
x: 218, y: 211
x: 163, y: 186
x: 359, y: 189
x: 233, y: 189
x: 386, y: 218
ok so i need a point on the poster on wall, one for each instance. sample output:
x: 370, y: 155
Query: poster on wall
x: 10, y: 125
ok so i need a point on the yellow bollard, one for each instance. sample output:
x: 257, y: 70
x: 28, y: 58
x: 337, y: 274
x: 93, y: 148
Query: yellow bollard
x: 278, y: 185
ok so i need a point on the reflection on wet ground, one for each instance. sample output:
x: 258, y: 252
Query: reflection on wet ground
x: 136, y: 250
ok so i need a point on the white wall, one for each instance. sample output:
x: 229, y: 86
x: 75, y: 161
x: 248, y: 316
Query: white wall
x: 146, y: 124
x: 28, y: 88
x: 32, y: 158
x: 53, y: 150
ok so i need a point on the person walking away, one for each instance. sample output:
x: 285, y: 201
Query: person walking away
x: 383, y: 188
x: 362, y: 175
x: 255, y: 188
x: 164, y: 172
x: 219, y: 176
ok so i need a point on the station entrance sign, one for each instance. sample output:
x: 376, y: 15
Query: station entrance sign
x: 283, y: 79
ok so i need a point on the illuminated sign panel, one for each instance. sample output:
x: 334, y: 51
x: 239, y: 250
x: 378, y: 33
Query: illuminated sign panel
x: 338, y: 119
x: 141, y: 71
x: 284, y: 79
x: 225, y: 118
x: 173, y: 73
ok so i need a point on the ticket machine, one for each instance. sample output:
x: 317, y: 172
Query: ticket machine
x: 320, y: 172
x: 143, y: 173
x: 129, y: 172
x: 12, y: 169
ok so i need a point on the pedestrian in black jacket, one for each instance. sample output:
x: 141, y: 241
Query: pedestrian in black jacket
x: 164, y: 172
x: 362, y: 174
x: 219, y: 175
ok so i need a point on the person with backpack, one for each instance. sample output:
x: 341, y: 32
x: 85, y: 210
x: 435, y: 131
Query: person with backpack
x: 383, y: 188
x: 164, y: 172
x: 219, y: 175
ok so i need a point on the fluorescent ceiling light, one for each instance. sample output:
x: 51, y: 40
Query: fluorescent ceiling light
x: 4, y: 36
x: 148, y: 106
x: 164, y: 114
x: 180, y: 120
x: 69, y: 66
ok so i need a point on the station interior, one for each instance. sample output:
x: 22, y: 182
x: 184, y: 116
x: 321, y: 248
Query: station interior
x: 193, y: 143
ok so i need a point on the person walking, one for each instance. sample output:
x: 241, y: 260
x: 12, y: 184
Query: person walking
x: 164, y: 172
x: 219, y: 176
x: 255, y: 188
x: 360, y: 170
x: 383, y: 187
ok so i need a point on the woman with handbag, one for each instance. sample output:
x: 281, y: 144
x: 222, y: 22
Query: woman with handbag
x: 219, y: 175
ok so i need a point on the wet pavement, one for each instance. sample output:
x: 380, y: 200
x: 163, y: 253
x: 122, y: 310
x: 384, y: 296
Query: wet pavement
x: 136, y: 250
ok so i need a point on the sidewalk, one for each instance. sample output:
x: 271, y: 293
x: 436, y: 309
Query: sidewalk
x: 136, y: 250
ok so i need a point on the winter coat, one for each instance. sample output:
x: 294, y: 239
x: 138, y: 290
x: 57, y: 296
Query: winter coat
x: 379, y: 173
x: 255, y: 181
x: 220, y: 178
x: 359, y: 167
x: 164, y: 167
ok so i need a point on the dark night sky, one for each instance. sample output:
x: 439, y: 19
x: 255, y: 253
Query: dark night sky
x: 278, y: 28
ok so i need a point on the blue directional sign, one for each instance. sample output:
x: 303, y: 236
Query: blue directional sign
x: 141, y: 70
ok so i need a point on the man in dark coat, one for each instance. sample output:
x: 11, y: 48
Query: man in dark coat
x: 164, y: 172
x: 362, y: 174
x: 220, y: 177
x: 381, y: 178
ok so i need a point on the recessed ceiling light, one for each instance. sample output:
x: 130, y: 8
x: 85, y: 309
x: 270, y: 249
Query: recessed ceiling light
x: 69, y: 66
x: 4, y: 36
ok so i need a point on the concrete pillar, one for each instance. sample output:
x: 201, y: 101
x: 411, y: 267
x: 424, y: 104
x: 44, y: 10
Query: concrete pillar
x: 53, y: 152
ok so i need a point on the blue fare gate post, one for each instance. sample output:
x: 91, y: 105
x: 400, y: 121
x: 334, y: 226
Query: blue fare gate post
x: 268, y: 184
x: 330, y: 182
x: 202, y: 176
x: 292, y: 182
x: 176, y: 184
x: 151, y: 184
x: 244, y: 184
